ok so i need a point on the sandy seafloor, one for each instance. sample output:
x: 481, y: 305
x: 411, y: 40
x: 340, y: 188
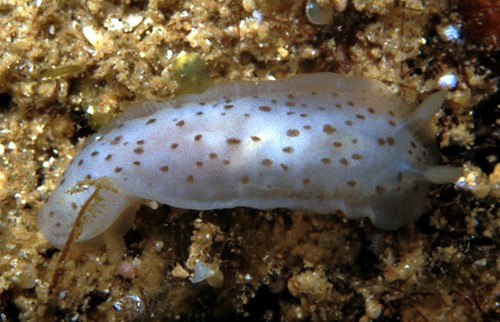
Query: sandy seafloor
x: 67, y: 67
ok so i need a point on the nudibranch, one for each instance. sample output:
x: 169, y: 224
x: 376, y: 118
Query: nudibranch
x: 320, y: 143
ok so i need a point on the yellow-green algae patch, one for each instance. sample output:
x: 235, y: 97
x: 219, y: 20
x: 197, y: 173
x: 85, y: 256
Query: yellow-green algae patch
x: 191, y: 73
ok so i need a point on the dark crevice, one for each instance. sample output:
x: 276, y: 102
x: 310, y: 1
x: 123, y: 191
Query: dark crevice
x: 5, y: 102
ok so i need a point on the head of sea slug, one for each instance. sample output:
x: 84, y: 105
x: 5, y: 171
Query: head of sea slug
x: 85, y: 213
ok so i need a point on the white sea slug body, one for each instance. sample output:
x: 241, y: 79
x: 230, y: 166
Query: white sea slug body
x: 314, y: 142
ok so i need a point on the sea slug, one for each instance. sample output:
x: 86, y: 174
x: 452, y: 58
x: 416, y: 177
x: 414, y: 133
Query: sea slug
x: 315, y: 142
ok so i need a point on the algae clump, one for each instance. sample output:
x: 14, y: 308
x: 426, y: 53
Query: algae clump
x: 190, y: 72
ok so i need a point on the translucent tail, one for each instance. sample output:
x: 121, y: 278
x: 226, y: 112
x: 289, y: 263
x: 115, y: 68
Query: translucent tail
x: 441, y: 174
